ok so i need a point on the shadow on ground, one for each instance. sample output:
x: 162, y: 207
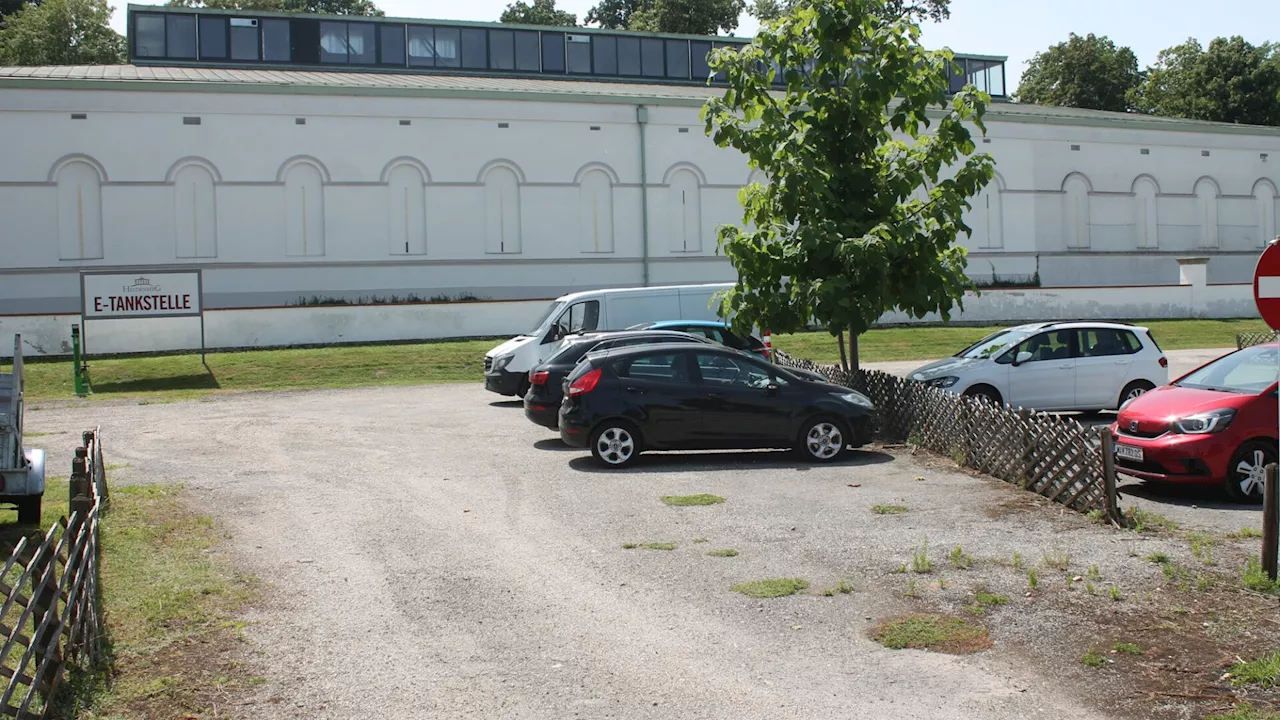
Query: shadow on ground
x: 202, y: 381
x: 749, y: 460
x: 507, y: 403
x: 556, y: 444
x: 1210, y: 497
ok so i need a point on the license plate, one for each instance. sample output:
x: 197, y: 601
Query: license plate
x: 1129, y: 452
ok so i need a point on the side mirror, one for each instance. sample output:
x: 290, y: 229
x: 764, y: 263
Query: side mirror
x: 772, y: 388
x: 1022, y: 357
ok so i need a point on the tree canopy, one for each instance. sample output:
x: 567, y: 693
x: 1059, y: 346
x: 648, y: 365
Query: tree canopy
x: 61, y: 32
x: 936, y: 10
x: 1084, y: 72
x: 693, y: 17
x: 321, y: 7
x: 541, y: 12
x: 862, y: 208
x: 1231, y: 81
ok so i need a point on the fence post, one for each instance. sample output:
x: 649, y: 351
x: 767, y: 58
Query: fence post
x: 1270, y: 514
x: 1109, y: 477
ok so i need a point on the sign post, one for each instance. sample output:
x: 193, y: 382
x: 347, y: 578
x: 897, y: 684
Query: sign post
x: 1266, y: 294
x: 126, y: 296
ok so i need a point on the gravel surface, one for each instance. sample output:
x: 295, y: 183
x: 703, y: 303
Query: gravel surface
x: 431, y: 553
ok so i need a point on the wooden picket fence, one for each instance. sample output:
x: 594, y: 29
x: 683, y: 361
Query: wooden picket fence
x: 1047, y: 454
x: 51, y: 617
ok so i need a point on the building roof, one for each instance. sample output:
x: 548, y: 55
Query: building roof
x: 491, y: 87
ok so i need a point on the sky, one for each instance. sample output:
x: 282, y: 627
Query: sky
x: 1015, y: 28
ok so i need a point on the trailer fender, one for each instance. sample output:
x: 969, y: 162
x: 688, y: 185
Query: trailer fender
x: 35, y: 471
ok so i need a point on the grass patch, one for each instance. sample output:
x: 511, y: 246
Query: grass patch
x: 1142, y: 521
x: 1116, y: 595
x: 842, y: 588
x: 1058, y: 559
x: 699, y: 540
x: 1033, y: 579
x: 920, y: 561
x: 1093, y: 658
x: 1093, y: 573
x: 688, y: 500
x: 888, y: 509
x: 1157, y: 557
x: 772, y: 588
x: 941, y: 633
x: 959, y: 559
x: 1128, y: 649
x: 1245, y: 534
x: 658, y: 546
x: 726, y: 552
x: 986, y: 599
x: 1245, y: 711
x: 1264, y: 671
x: 1255, y: 578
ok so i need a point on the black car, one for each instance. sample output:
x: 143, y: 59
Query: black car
x: 717, y: 331
x: 542, y: 402
x: 682, y: 397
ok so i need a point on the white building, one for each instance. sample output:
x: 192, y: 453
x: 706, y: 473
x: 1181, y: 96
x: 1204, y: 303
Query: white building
x: 508, y: 182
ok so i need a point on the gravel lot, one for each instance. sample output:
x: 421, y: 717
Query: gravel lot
x: 431, y: 553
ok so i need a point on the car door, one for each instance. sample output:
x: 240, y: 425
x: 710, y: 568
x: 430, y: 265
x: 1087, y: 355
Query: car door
x: 1103, y: 360
x: 660, y: 393
x: 743, y: 401
x: 1046, y: 379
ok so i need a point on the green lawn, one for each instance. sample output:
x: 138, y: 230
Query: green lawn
x: 178, y: 377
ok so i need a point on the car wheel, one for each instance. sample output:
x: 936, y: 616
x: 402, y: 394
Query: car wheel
x: 1133, y: 390
x: 823, y: 440
x: 29, y: 510
x: 1247, y: 474
x: 985, y: 391
x: 615, y: 443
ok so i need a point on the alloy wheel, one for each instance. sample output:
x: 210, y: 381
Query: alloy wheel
x: 824, y: 441
x: 615, y: 446
x: 1251, y: 473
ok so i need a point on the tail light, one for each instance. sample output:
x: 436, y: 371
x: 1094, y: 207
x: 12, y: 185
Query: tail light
x: 585, y: 384
x: 539, y: 378
x: 1164, y: 361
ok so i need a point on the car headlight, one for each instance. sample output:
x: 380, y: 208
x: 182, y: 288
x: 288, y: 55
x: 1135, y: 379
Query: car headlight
x: 501, y: 362
x: 944, y: 382
x: 1214, y: 421
x: 859, y: 400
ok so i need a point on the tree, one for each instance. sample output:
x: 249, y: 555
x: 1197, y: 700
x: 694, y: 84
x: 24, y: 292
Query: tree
x: 936, y: 10
x: 1232, y: 81
x: 61, y: 32
x: 318, y: 7
x: 541, y: 12
x: 854, y: 221
x: 1083, y: 72
x: 692, y: 17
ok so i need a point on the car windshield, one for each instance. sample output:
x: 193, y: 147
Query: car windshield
x: 993, y: 344
x: 551, y: 310
x: 1249, y: 371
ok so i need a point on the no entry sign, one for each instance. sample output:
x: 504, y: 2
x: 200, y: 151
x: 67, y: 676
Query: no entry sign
x: 1266, y: 285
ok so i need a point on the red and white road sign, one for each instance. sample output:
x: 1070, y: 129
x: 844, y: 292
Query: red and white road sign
x: 1266, y: 285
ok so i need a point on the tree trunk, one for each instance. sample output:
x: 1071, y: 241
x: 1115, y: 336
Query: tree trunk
x: 844, y: 360
x: 854, y: 363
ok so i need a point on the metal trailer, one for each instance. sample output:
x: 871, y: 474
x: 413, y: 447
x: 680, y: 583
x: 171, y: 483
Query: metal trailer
x: 21, y: 469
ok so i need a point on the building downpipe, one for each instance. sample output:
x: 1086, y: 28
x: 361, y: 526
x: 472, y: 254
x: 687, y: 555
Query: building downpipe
x: 642, y: 118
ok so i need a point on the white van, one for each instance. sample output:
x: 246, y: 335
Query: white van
x: 506, y: 367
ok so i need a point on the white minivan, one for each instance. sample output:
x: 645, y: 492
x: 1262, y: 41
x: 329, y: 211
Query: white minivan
x: 506, y: 367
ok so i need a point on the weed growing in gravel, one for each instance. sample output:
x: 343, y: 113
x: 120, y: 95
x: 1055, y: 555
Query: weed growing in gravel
x: 630, y: 546
x: 1204, y: 582
x: 1256, y: 579
x: 901, y: 568
x: 727, y: 552
x: 1128, y: 649
x: 842, y: 588
x: 1017, y: 561
x: 1033, y: 579
x: 1058, y: 559
x: 1093, y: 658
x: 942, y: 583
x: 1202, y: 547
x: 942, y: 633
x: 1142, y: 521
x: 959, y: 560
x: 771, y: 588
x: 649, y: 546
x: 986, y: 599
x: 888, y: 509
x: 1116, y: 595
x: 1264, y: 671
x: 687, y: 500
x: 1245, y: 534
x: 1096, y: 515
x: 920, y: 561
x: 1157, y: 557
x: 911, y: 591
x: 1245, y: 711
x: 1088, y: 587
x: 700, y: 540
x: 1093, y: 573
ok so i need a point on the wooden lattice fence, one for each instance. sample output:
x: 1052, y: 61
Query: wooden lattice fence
x: 51, y: 617
x: 1048, y: 454
x: 1251, y: 338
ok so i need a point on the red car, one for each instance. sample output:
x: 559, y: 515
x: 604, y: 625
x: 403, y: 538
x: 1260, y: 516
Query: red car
x: 1216, y: 424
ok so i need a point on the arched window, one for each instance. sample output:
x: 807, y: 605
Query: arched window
x: 502, y: 210
x: 408, y: 210
x: 79, y: 211
x: 304, y: 210
x: 195, y: 213
x: 1207, y: 207
x: 1075, y: 211
x: 595, y: 212
x: 988, y: 217
x: 1146, y: 222
x: 1264, y: 204
x: 684, y: 211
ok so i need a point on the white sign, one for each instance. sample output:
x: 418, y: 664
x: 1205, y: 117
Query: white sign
x: 141, y: 294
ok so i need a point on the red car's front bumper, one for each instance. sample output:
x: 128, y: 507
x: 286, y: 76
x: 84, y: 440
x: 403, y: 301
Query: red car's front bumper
x: 1175, y: 457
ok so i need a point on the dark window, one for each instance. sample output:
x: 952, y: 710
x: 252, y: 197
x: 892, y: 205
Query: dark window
x: 578, y: 51
x: 527, y: 51
x: 1103, y: 343
x: 651, y: 58
x: 361, y: 43
x: 447, y: 47
x: 333, y: 42
x: 662, y: 367
x: 724, y: 371
x: 181, y: 38
x: 148, y: 33
x: 422, y: 41
x: 475, y: 56
x: 391, y: 47
x: 213, y: 38
x: 580, y: 317
x: 678, y: 59
x: 1045, y: 346
x: 275, y: 41
x: 629, y: 56
x: 698, y: 52
x: 502, y: 50
x: 304, y: 41
x: 553, y: 52
x: 605, y: 51
x: 244, y: 39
